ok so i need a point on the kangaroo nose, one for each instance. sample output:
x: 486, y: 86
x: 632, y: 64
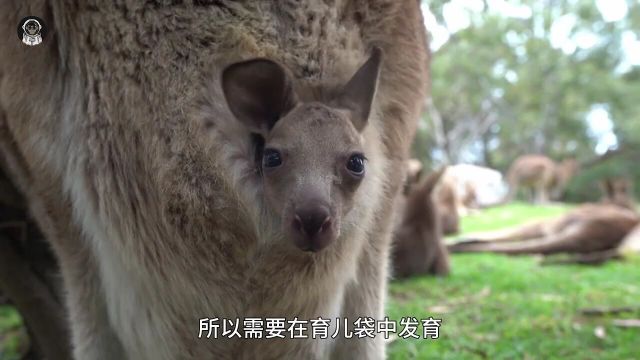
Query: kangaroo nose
x: 312, y: 221
x: 312, y: 225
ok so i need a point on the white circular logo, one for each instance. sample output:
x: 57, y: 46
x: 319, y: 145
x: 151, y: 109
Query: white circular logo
x: 31, y: 30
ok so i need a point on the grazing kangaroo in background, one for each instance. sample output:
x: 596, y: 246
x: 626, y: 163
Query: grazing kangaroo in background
x: 145, y: 180
x: 565, y: 171
x: 543, y: 176
x: 418, y: 247
x: 589, y: 228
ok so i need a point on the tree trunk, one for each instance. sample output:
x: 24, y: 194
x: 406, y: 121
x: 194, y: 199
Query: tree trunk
x: 486, y: 153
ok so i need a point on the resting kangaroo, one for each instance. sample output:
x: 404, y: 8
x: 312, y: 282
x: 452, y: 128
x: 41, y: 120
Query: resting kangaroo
x: 417, y: 246
x: 588, y: 228
x: 631, y: 242
x: 143, y: 179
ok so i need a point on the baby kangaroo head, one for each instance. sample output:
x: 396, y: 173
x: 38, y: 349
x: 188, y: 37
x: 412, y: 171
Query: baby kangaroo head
x: 313, y: 159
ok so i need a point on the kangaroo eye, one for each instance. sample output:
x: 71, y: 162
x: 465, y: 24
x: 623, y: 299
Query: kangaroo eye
x: 355, y: 164
x: 271, y: 158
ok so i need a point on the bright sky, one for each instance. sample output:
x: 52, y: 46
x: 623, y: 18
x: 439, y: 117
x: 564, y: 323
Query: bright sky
x: 456, y: 14
x: 601, y: 129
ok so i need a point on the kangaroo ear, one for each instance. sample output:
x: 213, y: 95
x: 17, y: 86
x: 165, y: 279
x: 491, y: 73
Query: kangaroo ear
x: 357, y: 94
x: 258, y: 92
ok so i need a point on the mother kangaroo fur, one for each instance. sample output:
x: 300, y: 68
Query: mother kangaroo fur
x: 115, y: 130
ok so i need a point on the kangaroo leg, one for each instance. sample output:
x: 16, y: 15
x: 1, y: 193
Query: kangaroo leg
x: 569, y: 240
x: 532, y: 230
x: 531, y: 192
x: 546, y: 198
x: 512, y: 191
x: 541, y: 194
x: 440, y: 262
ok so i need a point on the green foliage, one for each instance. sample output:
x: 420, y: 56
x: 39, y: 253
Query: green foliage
x: 501, y: 89
x: 12, y: 336
x: 500, y: 307
x: 586, y: 185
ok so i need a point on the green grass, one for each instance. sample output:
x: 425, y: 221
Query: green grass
x: 500, y: 307
x: 495, y: 307
x: 505, y: 216
x: 12, y: 336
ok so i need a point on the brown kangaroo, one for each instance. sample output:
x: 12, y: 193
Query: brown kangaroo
x: 116, y: 131
x: 311, y: 154
x: 414, y: 173
x: 418, y: 247
x: 444, y: 195
x: 629, y: 245
x: 588, y: 228
x: 542, y: 175
x: 631, y: 242
x: 447, y: 202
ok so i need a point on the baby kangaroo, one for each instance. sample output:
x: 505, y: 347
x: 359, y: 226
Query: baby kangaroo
x: 309, y: 151
x: 418, y: 246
